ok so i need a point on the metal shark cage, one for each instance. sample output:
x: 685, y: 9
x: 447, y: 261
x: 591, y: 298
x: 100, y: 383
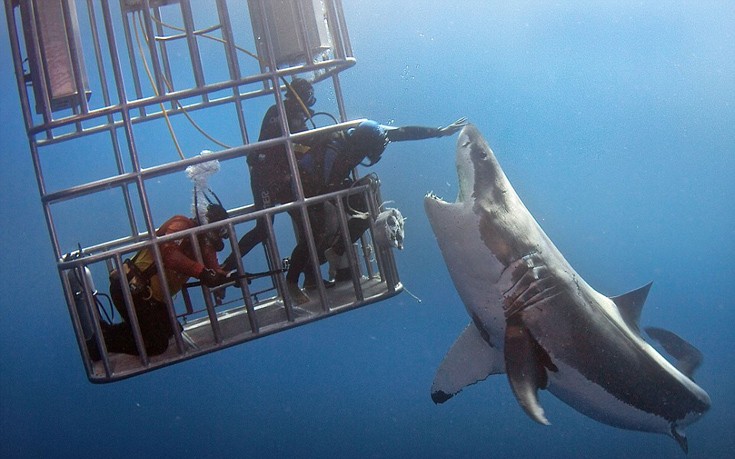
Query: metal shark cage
x: 106, y: 90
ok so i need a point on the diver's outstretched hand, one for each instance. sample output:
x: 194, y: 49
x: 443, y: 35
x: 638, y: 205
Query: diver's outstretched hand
x: 452, y: 128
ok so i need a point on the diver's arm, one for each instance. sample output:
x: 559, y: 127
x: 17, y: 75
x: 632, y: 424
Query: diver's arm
x: 411, y: 133
x: 209, y: 256
x: 178, y: 261
x: 339, y: 160
x: 172, y: 255
x: 270, y: 128
x: 423, y: 132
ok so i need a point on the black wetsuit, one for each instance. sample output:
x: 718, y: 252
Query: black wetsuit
x: 270, y: 176
x: 328, y: 168
x: 358, y: 226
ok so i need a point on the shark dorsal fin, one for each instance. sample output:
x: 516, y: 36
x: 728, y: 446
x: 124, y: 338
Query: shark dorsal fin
x: 630, y: 304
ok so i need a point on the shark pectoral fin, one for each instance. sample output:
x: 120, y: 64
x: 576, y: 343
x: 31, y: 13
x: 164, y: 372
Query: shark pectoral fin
x: 525, y: 369
x: 469, y: 360
x: 680, y: 438
x: 688, y: 358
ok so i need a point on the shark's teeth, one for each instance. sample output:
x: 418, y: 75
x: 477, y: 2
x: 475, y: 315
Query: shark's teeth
x: 433, y: 196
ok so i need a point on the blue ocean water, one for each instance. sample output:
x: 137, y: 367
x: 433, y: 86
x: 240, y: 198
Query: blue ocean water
x: 614, y: 122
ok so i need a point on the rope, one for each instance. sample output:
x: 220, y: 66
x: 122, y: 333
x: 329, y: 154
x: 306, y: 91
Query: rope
x: 243, y: 50
x: 153, y: 85
x: 169, y: 86
x: 181, y: 107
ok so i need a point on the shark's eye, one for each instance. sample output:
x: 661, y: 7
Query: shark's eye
x: 466, y: 144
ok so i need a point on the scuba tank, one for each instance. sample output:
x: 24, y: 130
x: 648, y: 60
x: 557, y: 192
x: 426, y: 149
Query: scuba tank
x: 76, y: 283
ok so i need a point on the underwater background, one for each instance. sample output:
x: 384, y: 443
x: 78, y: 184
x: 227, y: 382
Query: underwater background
x: 614, y: 122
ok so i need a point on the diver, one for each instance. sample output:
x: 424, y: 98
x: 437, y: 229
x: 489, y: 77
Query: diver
x: 324, y: 221
x: 270, y: 175
x: 328, y: 168
x: 180, y: 264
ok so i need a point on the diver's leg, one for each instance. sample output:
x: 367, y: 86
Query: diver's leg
x: 339, y: 267
x: 299, y: 262
x: 119, y: 337
x: 256, y: 235
x: 323, y: 219
x: 155, y: 326
x: 252, y: 238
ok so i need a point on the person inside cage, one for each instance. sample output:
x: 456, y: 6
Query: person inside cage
x: 270, y: 174
x: 327, y: 168
x: 180, y: 263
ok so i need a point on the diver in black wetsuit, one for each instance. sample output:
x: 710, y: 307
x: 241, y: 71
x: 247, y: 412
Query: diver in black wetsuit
x: 270, y: 175
x: 328, y: 169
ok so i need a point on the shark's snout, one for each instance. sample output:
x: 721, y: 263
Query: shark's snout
x: 467, y: 141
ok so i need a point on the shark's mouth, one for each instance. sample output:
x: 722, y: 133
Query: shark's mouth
x: 435, y: 205
x: 437, y: 209
x: 465, y: 168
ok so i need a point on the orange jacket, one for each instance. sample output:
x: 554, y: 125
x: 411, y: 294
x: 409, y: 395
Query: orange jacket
x: 178, y: 257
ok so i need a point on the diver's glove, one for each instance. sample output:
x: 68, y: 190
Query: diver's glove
x: 212, y: 278
x: 452, y: 128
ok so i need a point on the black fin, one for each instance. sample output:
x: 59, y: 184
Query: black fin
x: 526, y: 372
x: 630, y: 304
x: 440, y: 396
x: 680, y: 438
x: 688, y: 358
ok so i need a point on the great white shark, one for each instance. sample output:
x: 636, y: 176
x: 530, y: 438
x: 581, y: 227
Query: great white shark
x: 535, y: 319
